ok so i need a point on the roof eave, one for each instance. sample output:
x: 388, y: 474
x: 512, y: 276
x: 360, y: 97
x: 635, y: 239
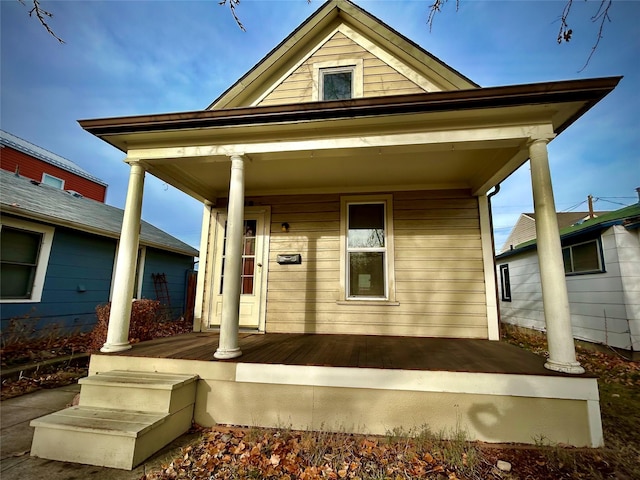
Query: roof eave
x: 589, y: 91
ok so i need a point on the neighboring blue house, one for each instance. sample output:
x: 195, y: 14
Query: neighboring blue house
x: 58, y: 253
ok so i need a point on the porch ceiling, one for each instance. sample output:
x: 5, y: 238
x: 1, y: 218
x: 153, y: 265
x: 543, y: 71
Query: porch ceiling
x: 343, y: 169
x: 463, y: 139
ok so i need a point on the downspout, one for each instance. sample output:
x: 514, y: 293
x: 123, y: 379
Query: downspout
x: 495, y: 191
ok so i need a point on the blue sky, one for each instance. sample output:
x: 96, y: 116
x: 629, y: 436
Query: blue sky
x: 142, y: 57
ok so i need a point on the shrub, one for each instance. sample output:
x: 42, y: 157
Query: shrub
x: 145, y: 317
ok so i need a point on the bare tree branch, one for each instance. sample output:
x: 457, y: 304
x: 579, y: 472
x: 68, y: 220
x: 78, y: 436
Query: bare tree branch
x: 565, y: 32
x: 601, y: 15
x: 42, y: 16
x: 436, y: 7
x: 232, y: 6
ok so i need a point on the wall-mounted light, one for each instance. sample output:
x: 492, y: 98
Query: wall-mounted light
x: 285, y: 227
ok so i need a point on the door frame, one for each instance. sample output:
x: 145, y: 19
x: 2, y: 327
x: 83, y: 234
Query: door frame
x: 216, y: 230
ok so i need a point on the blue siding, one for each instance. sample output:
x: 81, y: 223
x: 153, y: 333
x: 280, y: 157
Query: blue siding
x: 79, y: 279
x: 78, y: 262
x: 175, y: 267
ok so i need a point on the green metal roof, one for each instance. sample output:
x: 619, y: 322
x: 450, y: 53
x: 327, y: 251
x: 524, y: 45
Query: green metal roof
x: 628, y: 215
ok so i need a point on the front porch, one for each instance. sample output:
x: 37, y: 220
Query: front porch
x: 373, y: 384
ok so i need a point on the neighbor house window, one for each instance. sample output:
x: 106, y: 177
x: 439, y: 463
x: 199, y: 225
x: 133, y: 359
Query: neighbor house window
x: 336, y: 83
x: 583, y: 257
x: 505, y: 283
x: 368, y: 251
x: 24, y: 255
x: 338, y: 80
x: 52, y: 181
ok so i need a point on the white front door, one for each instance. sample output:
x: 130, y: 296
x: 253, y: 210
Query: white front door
x: 253, y: 270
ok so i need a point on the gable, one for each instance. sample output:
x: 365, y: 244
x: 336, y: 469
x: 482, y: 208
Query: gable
x: 341, y: 34
x: 524, y: 230
x: 374, y: 77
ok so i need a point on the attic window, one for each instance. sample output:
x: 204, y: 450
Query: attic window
x: 338, y: 80
x: 337, y: 83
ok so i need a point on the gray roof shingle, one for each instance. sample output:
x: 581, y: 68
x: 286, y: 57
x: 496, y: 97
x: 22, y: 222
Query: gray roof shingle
x: 26, y: 198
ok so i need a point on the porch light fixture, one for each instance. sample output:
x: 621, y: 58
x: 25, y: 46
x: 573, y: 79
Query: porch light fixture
x: 285, y: 227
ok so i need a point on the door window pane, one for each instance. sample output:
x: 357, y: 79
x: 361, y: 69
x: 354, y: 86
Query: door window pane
x: 248, y: 257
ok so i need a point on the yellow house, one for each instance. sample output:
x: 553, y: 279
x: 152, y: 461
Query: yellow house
x: 347, y: 275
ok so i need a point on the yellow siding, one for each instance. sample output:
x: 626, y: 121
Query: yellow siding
x: 379, y: 78
x: 438, y: 268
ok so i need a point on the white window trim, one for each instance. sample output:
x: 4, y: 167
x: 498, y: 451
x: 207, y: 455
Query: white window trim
x: 46, y: 175
x: 390, y: 297
x: 43, y: 256
x: 339, y: 65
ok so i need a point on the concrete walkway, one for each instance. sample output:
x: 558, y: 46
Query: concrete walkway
x: 16, y: 435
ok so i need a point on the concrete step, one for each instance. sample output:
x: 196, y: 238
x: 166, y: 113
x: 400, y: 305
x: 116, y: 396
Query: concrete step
x: 138, y: 391
x: 106, y: 437
x: 123, y: 418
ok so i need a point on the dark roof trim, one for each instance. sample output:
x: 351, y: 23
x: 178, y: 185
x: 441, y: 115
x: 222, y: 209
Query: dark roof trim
x: 589, y: 91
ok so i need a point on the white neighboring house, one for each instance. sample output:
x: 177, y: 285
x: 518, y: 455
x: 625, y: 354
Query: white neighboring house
x: 602, y: 265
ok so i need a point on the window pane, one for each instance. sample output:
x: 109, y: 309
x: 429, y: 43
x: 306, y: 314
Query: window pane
x: 366, y: 226
x: 52, y: 181
x: 585, y: 257
x: 249, y: 247
x: 336, y: 86
x: 16, y: 281
x: 248, y: 269
x: 19, y: 246
x: 366, y: 274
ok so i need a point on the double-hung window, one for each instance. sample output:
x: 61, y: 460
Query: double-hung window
x: 368, y: 248
x: 24, y: 255
x: 584, y: 257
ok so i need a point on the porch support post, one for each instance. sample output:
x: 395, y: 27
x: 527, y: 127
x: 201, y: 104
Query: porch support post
x: 123, y: 277
x: 229, y: 325
x: 562, y: 353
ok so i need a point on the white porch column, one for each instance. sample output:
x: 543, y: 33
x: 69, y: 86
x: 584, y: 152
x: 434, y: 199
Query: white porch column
x: 229, y: 325
x: 562, y: 354
x: 123, y: 278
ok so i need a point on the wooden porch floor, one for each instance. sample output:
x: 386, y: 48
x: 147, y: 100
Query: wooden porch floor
x: 360, y: 351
